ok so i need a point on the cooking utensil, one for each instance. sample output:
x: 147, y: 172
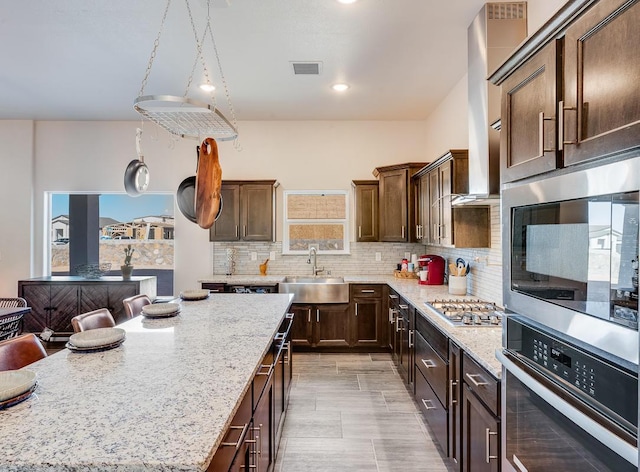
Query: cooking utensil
x: 186, y: 195
x: 136, y: 175
x: 460, y: 265
x: 208, y: 184
x: 453, y: 270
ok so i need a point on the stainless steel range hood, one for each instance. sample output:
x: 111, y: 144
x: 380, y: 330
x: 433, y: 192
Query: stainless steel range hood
x: 492, y: 37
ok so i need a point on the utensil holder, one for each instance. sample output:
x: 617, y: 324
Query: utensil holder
x: 458, y: 284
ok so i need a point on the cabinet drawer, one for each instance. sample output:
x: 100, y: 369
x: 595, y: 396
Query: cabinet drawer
x: 432, y: 366
x: 213, y: 287
x: 366, y: 291
x: 234, y: 437
x: 432, y: 335
x: 434, y: 412
x: 483, y: 384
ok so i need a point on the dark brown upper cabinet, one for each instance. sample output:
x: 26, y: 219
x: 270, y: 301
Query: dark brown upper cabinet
x: 247, y: 211
x: 570, y: 92
x: 366, y: 210
x: 602, y: 99
x: 441, y: 223
x: 529, y: 97
x: 397, y: 202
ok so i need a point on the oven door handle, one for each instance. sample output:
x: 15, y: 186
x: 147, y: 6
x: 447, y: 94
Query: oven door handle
x: 599, y: 432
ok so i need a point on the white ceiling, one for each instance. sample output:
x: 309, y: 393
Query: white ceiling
x: 85, y: 59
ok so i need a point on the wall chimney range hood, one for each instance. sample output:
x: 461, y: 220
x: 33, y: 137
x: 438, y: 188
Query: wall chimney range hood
x: 492, y: 36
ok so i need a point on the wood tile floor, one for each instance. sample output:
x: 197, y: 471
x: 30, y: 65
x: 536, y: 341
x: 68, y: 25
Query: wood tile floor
x: 352, y: 412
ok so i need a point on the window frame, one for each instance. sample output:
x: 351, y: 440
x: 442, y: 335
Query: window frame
x: 286, y: 223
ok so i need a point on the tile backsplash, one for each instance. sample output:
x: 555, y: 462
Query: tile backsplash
x: 484, y: 281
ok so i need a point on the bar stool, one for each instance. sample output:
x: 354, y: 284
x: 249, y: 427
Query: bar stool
x: 133, y: 305
x: 92, y: 320
x: 15, y: 353
x: 16, y: 302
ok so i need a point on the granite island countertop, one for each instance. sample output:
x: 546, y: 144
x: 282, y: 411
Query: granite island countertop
x: 479, y: 343
x: 161, y: 401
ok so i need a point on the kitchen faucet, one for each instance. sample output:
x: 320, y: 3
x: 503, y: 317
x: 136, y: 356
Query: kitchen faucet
x: 313, y: 252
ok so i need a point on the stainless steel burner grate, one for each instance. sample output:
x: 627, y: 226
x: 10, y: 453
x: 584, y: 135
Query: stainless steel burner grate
x: 467, y: 312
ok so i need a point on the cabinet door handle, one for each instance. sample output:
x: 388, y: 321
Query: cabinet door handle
x: 428, y: 363
x: 317, y: 315
x: 359, y: 231
x: 242, y: 435
x: 269, y: 368
x: 404, y: 307
x: 367, y: 291
x: 392, y: 316
x: 411, y: 338
x: 487, y: 435
x: 472, y: 378
x: 541, y: 120
x: 398, y: 327
x: 452, y: 401
x: 245, y: 230
x: 561, y: 110
x: 393, y: 297
x: 356, y: 309
x: 431, y: 406
x: 309, y: 316
x: 402, y: 231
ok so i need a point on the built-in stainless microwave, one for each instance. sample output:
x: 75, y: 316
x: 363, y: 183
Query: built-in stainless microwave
x: 570, y: 253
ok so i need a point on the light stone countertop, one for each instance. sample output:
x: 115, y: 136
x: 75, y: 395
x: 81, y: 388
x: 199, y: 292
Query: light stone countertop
x: 161, y: 401
x: 479, y: 343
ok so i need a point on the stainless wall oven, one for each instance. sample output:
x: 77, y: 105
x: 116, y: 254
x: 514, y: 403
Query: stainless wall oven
x: 566, y: 406
x: 570, y: 254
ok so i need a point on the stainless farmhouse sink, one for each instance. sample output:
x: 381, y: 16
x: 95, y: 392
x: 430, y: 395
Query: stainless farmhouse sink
x: 315, y: 289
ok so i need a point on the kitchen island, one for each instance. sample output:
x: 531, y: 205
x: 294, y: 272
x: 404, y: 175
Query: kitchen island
x: 161, y: 401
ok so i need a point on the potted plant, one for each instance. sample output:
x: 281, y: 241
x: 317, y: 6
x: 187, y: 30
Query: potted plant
x: 127, y: 267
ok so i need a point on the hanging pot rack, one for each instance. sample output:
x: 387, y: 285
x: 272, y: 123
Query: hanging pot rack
x: 184, y: 116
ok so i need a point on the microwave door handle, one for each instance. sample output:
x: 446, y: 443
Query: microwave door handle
x: 599, y: 432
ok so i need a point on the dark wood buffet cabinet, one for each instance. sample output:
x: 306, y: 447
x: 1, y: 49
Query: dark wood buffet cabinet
x: 55, y: 300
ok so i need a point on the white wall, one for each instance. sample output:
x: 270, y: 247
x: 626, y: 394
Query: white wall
x: 92, y: 156
x: 16, y: 201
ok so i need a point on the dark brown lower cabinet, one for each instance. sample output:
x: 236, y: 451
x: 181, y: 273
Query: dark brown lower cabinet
x: 480, y: 418
x: 264, y: 450
x: 321, y: 326
x: 234, y: 452
x: 455, y: 404
x: 434, y: 412
x: 480, y: 435
x: 369, y: 327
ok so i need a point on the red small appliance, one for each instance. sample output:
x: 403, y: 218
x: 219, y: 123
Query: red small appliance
x: 434, y: 265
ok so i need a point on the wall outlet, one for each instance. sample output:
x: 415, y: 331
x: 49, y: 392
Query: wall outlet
x: 254, y: 256
x: 407, y: 256
x: 272, y: 255
x: 378, y: 257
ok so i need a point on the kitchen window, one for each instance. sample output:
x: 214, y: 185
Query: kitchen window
x: 316, y: 218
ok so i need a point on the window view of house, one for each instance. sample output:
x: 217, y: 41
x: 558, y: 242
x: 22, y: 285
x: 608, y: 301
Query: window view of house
x: 145, y: 222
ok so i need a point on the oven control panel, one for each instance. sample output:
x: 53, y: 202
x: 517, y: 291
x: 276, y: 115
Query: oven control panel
x: 573, y: 368
x: 586, y: 372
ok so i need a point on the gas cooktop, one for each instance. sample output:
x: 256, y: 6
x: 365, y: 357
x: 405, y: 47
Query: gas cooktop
x: 467, y: 312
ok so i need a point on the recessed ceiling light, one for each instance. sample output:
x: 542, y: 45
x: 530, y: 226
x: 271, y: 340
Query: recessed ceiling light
x: 347, y: 2
x: 339, y: 87
x: 207, y: 87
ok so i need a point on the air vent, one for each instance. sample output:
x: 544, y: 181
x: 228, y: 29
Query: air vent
x: 506, y: 11
x: 306, y: 68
